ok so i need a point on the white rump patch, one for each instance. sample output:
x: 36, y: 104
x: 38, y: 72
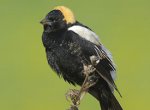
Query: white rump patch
x: 85, y: 33
x: 113, y: 74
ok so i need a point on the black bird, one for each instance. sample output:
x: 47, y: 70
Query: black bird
x: 70, y: 46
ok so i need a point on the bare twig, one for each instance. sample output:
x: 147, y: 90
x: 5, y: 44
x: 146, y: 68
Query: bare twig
x: 77, y: 95
x: 73, y: 107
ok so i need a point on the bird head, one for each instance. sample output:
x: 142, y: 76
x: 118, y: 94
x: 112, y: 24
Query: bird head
x: 59, y: 18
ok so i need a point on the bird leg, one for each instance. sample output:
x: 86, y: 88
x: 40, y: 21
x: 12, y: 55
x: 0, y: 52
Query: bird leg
x: 77, y: 95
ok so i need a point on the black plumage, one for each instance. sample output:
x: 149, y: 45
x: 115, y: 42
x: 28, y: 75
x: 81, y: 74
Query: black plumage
x: 67, y: 52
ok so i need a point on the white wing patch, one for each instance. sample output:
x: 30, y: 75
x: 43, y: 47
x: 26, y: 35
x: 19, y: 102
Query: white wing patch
x: 85, y: 33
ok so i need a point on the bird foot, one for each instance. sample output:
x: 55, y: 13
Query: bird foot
x: 88, y: 69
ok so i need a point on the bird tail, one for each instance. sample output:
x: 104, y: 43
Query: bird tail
x: 108, y: 101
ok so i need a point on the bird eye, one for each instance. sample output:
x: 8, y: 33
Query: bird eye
x: 51, y: 19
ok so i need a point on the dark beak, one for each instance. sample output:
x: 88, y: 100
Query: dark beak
x: 45, y: 21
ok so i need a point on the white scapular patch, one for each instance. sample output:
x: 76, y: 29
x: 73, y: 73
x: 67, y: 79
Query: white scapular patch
x: 85, y: 33
x: 92, y: 37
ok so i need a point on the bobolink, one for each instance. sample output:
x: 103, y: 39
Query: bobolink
x: 74, y: 51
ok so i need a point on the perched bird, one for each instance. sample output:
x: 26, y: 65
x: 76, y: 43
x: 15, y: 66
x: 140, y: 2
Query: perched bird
x: 70, y: 47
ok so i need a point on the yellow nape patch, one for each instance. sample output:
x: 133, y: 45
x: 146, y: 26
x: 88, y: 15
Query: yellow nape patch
x: 68, y: 14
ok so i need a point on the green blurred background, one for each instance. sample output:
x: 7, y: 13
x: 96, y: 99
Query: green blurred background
x: 27, y: 82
